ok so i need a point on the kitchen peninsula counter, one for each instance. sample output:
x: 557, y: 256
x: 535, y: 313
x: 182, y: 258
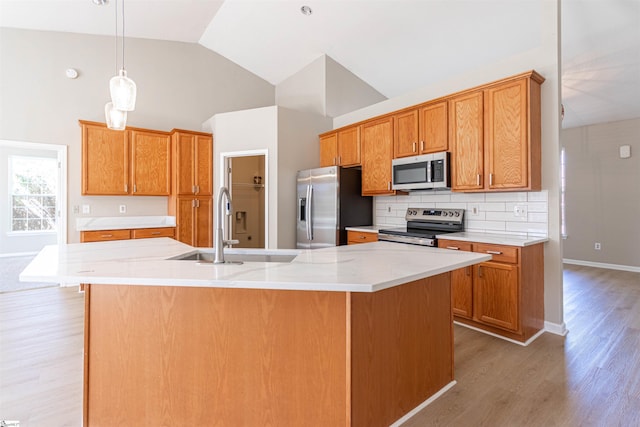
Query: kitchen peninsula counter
x: 345, y: 336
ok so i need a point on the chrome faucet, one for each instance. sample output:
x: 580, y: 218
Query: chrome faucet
x: 219, y: 235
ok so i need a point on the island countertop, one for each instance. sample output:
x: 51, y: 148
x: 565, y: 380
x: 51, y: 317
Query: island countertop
x: 356, y: 268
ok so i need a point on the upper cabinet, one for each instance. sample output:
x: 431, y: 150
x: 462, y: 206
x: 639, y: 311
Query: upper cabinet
x: 495, y: 136
x: 466, y: 126
x: 421, y: 130
x: 341, y: 148
x: 193, y: 163
x: 130, y: 162
x: 377, y: 153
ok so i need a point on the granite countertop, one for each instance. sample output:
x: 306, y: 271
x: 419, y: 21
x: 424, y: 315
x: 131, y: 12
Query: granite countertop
x: 354, y: 268
x: 123, y: 222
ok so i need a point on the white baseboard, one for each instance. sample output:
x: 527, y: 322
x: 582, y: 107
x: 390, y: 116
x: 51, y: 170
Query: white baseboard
x: 524, y: 344
x: 602, y: 265
x: 556, y: 328
x: 423, y: 405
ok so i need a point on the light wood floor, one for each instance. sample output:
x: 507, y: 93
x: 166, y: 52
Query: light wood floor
x: 591, y: 377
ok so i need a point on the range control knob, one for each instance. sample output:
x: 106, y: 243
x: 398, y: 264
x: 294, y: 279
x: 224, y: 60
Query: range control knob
x: 457, y: 213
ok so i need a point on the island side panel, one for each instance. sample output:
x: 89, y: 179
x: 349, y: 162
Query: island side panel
x: 401, y: 349
x: 167, y: 355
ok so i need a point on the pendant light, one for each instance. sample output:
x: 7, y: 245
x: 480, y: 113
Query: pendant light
x: 121, y: 87
x: 116, y: 119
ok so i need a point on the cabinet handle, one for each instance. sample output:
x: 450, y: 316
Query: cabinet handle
x: 421, y: 145
x: 335, y: 161
x: 193, y: 189
x: 494, y: 252
x: 135, y: 188
x: 197, y: 203
x: 455, y: 248
x: 490, y: 179
x: 155, y: 233
x: 389, y: 185
x: 469, y: 271
x: 104, y: 236
x: 126, y: 188
x: 193, y: 203
x: 362, y: 237
x: 339, y: 160
x: 478, y: 179
x: 414, y: 147
x: 479, y: 271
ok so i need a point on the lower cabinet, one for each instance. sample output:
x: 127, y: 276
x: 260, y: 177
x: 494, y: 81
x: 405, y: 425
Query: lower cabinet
x: 504, y: 296
x: 125, y: 234
x: 194, y: 219
x: 355, y: 237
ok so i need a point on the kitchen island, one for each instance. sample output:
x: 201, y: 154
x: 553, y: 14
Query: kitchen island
x: 346, y: 336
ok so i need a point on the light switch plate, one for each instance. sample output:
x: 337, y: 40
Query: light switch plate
x: 86, y: 209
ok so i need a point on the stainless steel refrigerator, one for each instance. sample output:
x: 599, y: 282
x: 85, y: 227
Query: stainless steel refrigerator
x: 329, y: 199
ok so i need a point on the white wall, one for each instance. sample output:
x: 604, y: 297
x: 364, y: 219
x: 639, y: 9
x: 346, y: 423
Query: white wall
x: 545, y: 59
x: 290, y: 140
x: 327, y: 88
x: 603, y: 193
x: 179, y: 86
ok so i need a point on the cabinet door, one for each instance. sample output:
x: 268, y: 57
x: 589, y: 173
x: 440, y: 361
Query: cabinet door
x: 496, y: 295
x: 105, y: 161
x: 349, y: 147
x: 466, y: 137
x: 405, y: 134
x: 461, y: 281
x: 184, y: 149
x: 462, y: 292
x: 150, y: 167
x: 203, y: 223
x: 185, y: 211
x: 204, y: 165
x: 506, y: 143
x: 329, y: 150
x: 434, y: 135
x: 377, y: 152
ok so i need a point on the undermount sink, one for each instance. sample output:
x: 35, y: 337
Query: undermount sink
x: 207, y: 257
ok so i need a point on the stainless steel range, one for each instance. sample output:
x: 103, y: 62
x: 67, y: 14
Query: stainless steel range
x: 423, y: 225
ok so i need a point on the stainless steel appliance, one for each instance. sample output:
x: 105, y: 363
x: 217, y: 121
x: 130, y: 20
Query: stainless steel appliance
x: 424, y: 172
x: 329, y: 200
x: 423, y: 225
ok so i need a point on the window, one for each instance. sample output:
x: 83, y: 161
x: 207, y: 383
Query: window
x: 33, y: 182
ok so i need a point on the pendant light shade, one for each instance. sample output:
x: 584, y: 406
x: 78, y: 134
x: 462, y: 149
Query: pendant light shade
x: 116, y: 119
x: 123, y: 92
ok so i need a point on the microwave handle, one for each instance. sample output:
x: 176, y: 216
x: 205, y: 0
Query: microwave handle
x: 429, y: 171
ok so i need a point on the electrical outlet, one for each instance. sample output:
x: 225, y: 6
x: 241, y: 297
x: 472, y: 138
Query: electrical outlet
x: 86, y: 209
x: 389, y: 209
x: 597, y: 246
x: 76, y: 209
x: 474, y: 210
x: 520, y: 210
x: 123, y: 208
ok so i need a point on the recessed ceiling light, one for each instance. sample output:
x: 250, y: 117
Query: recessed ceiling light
x: 306, y: 10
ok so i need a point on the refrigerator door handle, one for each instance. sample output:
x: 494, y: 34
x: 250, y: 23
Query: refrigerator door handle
x: 309, y: 212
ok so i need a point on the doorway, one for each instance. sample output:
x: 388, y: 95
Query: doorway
x: 36, y: 190
x: 246, y: 179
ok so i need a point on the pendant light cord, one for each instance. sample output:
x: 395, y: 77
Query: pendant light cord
x: 116, y: 38
x: 122, y: 33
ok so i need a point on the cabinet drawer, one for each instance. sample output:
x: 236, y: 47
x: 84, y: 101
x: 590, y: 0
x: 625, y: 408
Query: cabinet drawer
x: 354, y: 237
x: 500, y: 253
x: 144, y: 233
x: 455, y: 245
x: 104, y: 235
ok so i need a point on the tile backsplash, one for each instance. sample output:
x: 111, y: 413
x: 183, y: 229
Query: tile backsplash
x: 484, y: 212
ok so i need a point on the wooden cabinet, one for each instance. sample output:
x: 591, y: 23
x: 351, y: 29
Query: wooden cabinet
x: 421, y: 130
x: 192, y: 197
x: 504, y: 296
x: 125, y: 234
x: 466, y: 128
x: 130, y: 162
x: 495, y: 136
x: 341, y: 148
x: 194, y: 220
x: 377, y: 153
x: 355, y: 237
x: 192, y: 163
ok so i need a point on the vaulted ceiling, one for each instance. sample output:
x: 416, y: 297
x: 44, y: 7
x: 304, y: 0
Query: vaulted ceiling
x: 395, y: 46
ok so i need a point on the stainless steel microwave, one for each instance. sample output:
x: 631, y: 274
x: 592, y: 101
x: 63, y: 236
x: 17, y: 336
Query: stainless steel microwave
x: 424, y: 172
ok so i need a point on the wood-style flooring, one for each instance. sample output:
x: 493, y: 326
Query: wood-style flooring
x: 591, y: 377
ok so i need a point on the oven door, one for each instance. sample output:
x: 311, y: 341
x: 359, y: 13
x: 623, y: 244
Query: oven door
x: 412, y: 173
